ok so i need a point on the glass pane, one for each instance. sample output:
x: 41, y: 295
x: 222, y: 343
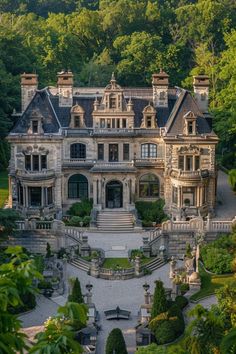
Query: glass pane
x: 35, y: 162
x: 189, y: 163
x: 153, y: 150
x: 35, y: 196
x: 100, y: 152
x: 125, y: 152
x: 27, y: 162
x: 113, y: 152
x: 44, y: 162
x: 197, y: 162
x: 181, y: 162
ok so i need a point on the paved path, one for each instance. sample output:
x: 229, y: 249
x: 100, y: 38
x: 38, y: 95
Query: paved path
x: 227, y: 208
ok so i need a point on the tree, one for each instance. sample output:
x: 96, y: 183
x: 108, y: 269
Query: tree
x: 59, y: 334
x: 232, y: 179
x: 228, y: 344
x: 16, y: 278
x: 204, y: 333
x: 116, y: 343
x: 159, y: 300
x: 76, y: 294
x: 8, y: 218
x: 48, y: 250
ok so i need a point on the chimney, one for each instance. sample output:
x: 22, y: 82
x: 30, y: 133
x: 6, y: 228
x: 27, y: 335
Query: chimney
x: 29, y: 85
x: 201, y: 85
x: 65, y: 88
x: 160, y: 83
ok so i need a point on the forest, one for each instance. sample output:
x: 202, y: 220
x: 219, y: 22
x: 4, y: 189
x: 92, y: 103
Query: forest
x: 133, y: 38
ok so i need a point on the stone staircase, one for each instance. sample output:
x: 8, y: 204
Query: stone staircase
x: 81, y: 264
x: 115, y: 220
x: 154, y: 264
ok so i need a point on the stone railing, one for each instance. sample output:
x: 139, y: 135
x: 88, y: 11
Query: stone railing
x: 111, y: 274
x: 34, y: 224
x: 149, y: 161
x: 177, y: 173
x: 74, y: 233
x: 38, y: 174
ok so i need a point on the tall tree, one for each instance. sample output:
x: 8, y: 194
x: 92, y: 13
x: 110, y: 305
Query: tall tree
x: 159, y: 300
x: 115, y: 342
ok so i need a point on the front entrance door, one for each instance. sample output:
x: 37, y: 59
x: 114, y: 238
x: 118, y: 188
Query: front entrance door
x: 114, y: 194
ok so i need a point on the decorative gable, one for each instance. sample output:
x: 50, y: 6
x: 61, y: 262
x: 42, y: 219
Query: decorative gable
x: 149, y: 117
x: 77, y: 117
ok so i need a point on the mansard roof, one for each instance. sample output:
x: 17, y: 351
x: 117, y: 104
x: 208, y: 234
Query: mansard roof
x: 54, y: 117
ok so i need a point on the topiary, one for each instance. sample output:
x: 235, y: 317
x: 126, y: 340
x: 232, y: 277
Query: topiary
x: 76, y: 294
x: 159, y: 300
x: 181, y: 301
x: 116, y: 343
x: 165, y: 333
x: 48, y: 250
x: 177, y: 323
x: 184, y: 287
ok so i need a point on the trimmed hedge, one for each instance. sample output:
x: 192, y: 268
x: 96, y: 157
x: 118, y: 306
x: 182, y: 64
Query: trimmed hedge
x: 116, y: 343
x: 81, y: 209
x: 181, y: 301
x: 151, y: 212
x: 165, y: 333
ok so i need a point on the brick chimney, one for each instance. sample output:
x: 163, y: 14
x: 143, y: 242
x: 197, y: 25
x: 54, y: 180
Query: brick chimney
x: 65, y: 88
x: 201, y: 85
x: 160, y: 83
x: 29, y: 85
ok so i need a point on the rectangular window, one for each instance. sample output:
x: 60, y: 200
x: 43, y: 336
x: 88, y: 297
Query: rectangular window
x: 118, y: 123
x: 100, y: 151
x: 123, y: 123
x: 77, y: 121
x: 113, y: 152
x: 189, y: 163
x: 102, y: 123
x: 175, y: 195
x: 148, y: 151
x: 190, y: 128
x: 43, y: 162
x: 35, y: 124
x: 35, y: 162
x: 125, y: 152
x: 20, y: 194
x: 50, y: 201
x: 35, y: 196
x: 144, y: 151
x: 28, y: 162
x: 181, y: 162
x: 197, y: 162
x: 108, y: 123
x: 149, y: 122
x: 152, y: 150
x: 112, y: 102
x: 113, y: 123
x: 188, y: 196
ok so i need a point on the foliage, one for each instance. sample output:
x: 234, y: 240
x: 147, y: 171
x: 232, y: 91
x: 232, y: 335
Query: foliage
x: 188, y: 250
x: 226, y: 297
x: 151, y: 212
x: 3, y: 184
x: 152, y: 349
x: 184, y: 287
x: 181, y: 301
x: 218, y: 255
x: 81, y: 209
x: 39, y: 262
x: 59, y: 336
x: 43, y: 284
x: 76, y: 294
x: 8, y: 218
x: 205, y: 331
x: 116, y: 263
x: 16, y: 280
x: 115, y: 342
x: 159, y: 299
x: 232, y: 179
x: 62, y: 252
x: 228, y: 343
x: 164, y: 333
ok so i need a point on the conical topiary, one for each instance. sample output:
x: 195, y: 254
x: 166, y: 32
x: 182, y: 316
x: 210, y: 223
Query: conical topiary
x: 159, y: 300
x: 76, y: 294
x: 116, y: 343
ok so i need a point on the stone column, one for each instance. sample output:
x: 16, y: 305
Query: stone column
x: 85, y: 248
x: 137, y: 266
x: 146, y: 248
x: 172, y: 267
x: 94, y: 268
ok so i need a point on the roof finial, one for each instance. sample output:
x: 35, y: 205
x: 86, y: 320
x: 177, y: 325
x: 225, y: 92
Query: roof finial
x: 161, y: 70
x: 113, y: 76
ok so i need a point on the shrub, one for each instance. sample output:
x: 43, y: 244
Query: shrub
x: 76, y: 294
x: 184, y: 288
x: 188, y: 251
x: 61, y: 252
x: 178, y: 323
x: 75, y: 221
x: 217, y: 260
x: 81, y: 209
x: 116, y: 343
x: 159, y: 300
x: 28, y: 303
x: 181, y: 301
x: 232, y: 179
x: 48, y: 250
x: 165, y: 333
x: 43, y: 284
x: 86, y: 220
x: 151, y: 212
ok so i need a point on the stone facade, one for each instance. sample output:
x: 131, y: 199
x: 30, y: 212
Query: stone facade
x: 114, y: 145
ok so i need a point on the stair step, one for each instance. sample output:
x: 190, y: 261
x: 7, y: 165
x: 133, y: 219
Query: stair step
x: 115, y: 221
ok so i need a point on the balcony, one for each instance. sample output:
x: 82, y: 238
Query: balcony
x: 192, y: 175
x: 153, y: 162
x: 35, y: 175
x: 102, y: 166
x: 71, y: 163
x: 113, y: 131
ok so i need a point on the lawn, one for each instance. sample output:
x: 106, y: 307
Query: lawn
x: 112, y: 263
x: 210, y: 283
x: 3, y: 187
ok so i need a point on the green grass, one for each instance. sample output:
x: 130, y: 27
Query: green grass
x: 112, y: 263
x: 3, y: 187
x: 210, y: 283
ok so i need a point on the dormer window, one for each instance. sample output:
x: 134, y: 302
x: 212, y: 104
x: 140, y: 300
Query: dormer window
x: 149, y: 122
x: 77, y: 117
x: 190, y: 123
x: 149, y: 118
x: 112, y: 102
x: 35, y: 127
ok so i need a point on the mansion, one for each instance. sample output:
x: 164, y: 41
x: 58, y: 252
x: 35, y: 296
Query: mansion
x: 115, y: 145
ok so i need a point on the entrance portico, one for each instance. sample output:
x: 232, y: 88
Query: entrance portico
x: 114, y: 194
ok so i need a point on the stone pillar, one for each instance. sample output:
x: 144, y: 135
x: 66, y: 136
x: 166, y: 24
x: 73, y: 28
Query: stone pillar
x: 65, y: 273
x: 89, y: 297
x: 146, y: 248
x: 85, y: 249
x: 172, y: 267
x: 137, y: 266
x: 94, y: 272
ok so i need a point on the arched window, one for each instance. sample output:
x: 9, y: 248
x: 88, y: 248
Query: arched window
x: 149, y: 186
x: 78, y: 151
x: 78, y: 187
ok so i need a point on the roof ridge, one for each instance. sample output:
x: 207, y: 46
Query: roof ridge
x: 49, y: 99
x: 175, y: 109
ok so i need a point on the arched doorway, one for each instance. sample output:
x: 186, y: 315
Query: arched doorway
x: 114, y: 194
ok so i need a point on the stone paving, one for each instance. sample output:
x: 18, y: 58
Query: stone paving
x: 226, y: 198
